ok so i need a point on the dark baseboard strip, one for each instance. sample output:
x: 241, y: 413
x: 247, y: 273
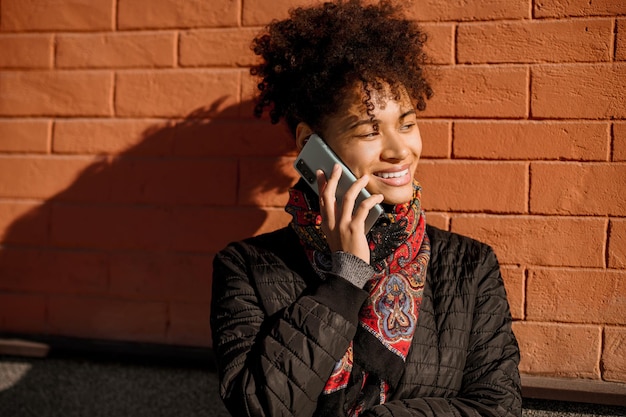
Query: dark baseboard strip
x: 95, y: 349
x: 535, y: 387
x: 574, y: 390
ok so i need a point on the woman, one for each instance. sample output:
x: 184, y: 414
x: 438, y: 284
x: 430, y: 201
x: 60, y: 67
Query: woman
x: 320, y: 318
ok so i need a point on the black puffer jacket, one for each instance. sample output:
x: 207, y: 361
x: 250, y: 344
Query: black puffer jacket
x: 278, y: 330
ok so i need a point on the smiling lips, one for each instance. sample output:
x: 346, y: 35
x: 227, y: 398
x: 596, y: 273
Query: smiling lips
x: 388, y: 175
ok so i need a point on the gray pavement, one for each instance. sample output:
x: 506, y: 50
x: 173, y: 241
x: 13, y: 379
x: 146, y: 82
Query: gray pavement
x: 91, y: 387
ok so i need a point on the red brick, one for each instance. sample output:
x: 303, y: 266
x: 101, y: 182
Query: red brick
x: 62, y: 15
x: 581, y: 40
x: 256, y: 13
x: 107, y: 318
x: 469, y: 10
x: 58, y: 93
x: 620, y: 40
x: 23, y: 222
x: 265, y: 182
x: 578, y: 188
x: 552, y: 8
x: 619, y: 141
x: 613, y: 358
x: 109, y: 227
x: 189, y: 324
x: 217, y: 47
x: 159, y: 14
x: 532, y: 140
x: 586, y: 91
x: 91, y: 185
x: 198, y: 229
x: 26, y: 51
x: 43, y: 177
x: 198, y: 181
x: 514, y: 280
x: 536, y: 240
x: 158, y: 137
x: 436, y: 138
x: 54, y: 271
x: 161, y: 276
x: 24, y: 136
x: 249, y: 91
x: 439, y: 47
x: 116, y: 50
x: 469, y: 186
x: 617, y: 244
x: 559, y: 350
x: 440, y: 220
x: 22, y: 313
x: 477, y: 91
x: 229, y: 138
x: 112, y: 136
x: 175, y: 93
x: 576, y: 296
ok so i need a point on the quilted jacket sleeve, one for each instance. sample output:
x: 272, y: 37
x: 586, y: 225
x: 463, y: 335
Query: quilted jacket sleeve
x: 277, y: 364
x: 491, y: 383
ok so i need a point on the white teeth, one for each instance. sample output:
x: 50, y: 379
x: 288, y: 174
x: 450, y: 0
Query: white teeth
x: 392, y: 174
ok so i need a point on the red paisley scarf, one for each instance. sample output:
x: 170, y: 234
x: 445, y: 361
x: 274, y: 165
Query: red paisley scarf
x: 400, y: 250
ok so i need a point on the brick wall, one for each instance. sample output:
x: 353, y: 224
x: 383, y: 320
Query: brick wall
x: 128, y: 156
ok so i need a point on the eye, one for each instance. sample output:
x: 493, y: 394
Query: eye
x: 369, y: 135
x: 407, y: 126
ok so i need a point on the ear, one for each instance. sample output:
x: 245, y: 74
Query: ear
x: 303, y: 131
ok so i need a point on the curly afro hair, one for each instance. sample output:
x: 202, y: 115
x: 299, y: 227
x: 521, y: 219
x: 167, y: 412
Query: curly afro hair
x: 311, y: 60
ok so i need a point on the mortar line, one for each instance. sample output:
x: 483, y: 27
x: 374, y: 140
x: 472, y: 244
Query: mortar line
x: 611, y: 156
x: 607, y: 238
x: 241, y: 5
x: 115, y: 15
x: 613, y: 45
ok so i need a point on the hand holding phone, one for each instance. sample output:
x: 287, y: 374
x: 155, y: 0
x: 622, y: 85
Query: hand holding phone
x: 316, y: 154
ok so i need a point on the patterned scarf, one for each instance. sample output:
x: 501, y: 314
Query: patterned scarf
x: 400, y: 250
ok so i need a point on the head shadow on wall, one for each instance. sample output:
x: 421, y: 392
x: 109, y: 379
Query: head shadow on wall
x: 125, y: 251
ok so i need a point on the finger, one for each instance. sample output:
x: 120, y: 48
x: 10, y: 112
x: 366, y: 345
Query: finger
x: 321, y: 182
x: 333, y: 180
x: 326, y: 190
x: 362, y: 211
x: 349, y: 199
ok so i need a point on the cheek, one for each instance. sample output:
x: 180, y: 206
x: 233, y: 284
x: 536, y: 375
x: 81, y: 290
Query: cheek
x: 416, y: 144
x: 418, y: 148
x: 360, y: 160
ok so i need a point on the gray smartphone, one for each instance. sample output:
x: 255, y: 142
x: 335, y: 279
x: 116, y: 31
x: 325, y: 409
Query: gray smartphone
x: 316, y: 154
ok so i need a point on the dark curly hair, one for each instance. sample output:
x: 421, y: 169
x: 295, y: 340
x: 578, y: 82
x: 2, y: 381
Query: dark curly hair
x: 313, y: 58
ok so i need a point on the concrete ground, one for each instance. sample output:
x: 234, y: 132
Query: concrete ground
x: 91, y: 387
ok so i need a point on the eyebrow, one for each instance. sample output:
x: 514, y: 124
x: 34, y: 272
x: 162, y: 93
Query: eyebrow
x: 376, y: 121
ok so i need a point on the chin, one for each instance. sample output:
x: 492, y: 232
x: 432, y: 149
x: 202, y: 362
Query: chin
x: 398, y: 198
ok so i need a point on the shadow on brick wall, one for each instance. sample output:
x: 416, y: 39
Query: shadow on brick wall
x: 125, y: 251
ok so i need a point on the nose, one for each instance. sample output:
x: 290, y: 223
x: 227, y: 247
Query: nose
x: 395, y: 147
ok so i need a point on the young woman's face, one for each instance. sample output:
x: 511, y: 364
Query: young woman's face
x: 389, y: 153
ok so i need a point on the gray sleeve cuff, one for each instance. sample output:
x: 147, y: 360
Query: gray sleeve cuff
x: 351, y: 268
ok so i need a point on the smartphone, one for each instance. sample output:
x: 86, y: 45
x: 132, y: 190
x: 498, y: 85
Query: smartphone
x: 316, y: 154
